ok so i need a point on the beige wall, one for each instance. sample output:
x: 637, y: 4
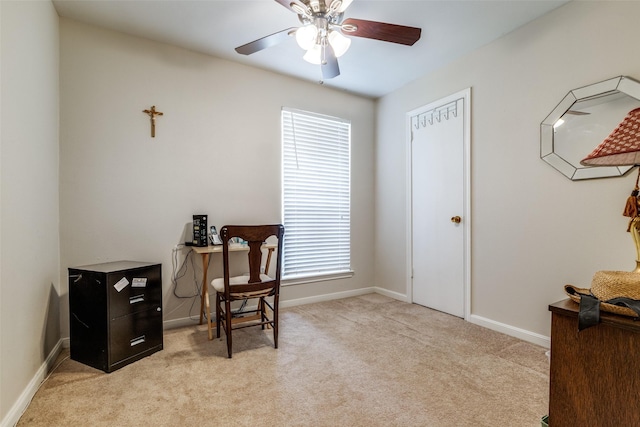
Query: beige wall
x: 533, y: 230
x: 29, y: 265
x: 125, y: 195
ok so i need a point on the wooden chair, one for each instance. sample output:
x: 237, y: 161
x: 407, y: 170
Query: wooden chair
x: 254, y: 286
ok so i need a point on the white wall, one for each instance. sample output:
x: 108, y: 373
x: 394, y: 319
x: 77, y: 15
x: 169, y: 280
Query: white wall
x: 533, y: 230
x: 125, y: 195
x: 29, y: 265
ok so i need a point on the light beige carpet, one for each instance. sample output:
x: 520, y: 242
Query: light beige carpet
x: 362, y: 361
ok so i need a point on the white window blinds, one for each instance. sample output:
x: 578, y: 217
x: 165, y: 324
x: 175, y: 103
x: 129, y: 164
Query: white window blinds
x: 316, y: 194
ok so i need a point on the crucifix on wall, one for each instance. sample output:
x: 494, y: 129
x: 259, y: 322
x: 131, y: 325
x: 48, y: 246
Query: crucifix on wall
x: 152, y: 114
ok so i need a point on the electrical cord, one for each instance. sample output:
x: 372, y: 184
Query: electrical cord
x: 179, y: 273
x: 239, y: 310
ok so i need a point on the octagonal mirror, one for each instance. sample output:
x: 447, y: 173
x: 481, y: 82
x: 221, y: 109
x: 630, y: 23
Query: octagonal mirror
x: 581, y: 121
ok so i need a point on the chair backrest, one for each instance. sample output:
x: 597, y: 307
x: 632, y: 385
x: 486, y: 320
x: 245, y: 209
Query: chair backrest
x: 255, y: 236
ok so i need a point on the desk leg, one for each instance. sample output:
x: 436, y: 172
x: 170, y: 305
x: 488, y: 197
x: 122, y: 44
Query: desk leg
x: 203, y: 293
x: 204, y: 302
x: 266, y: 267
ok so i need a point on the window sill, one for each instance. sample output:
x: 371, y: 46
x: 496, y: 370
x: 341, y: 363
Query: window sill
x: 301, y: 280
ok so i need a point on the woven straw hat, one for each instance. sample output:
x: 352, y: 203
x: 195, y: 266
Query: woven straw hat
x: 607, y: 285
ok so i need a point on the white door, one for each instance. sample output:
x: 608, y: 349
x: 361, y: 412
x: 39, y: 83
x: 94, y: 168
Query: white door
x: 439, y: 217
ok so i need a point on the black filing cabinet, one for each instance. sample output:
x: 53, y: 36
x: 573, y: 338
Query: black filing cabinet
x: 115, y: 313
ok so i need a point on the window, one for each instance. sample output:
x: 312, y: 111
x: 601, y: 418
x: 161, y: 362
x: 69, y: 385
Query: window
x: 316, y: 199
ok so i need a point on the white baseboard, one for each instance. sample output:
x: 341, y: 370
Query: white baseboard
x: 179, y: 323
x: 510, y: 330
x: 18, y: 408
x: 391, y: 294
x: 327, y: 297
x: 513, y: 331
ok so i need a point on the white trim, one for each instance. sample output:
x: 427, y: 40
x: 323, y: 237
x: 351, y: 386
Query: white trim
x: 466, y: 95
x: 327, y: 297
x: 181, y: 322
x: 467, y: 201
x: 392, y: 294
x: 409, y: 211
x: 18, y: 408
x: 317, y: 278
x: 513, y: 331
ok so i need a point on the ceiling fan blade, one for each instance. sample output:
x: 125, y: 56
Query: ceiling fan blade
x: 381, y: 31
x: 330, y: 68
x: 265, y: 42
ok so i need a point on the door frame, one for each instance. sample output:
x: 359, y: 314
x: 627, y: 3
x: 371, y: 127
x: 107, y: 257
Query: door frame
x: 466, y: 214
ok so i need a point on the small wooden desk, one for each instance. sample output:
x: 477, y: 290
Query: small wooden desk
x: 206, y: 251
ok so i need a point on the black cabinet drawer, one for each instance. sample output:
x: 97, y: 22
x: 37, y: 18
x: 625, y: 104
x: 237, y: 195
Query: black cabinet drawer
x: 134, y: 290
x: 134, y: 334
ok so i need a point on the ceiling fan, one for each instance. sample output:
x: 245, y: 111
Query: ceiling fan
x: 323, y: 31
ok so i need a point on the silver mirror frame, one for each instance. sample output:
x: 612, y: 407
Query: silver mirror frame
x: 624, y: 85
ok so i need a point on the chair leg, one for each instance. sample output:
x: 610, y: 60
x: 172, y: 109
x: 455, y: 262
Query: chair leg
x: 261, y: 307
x: 275, y: 320
x: 218, y: 314
x: 227, y: 325
x: 266, y: 314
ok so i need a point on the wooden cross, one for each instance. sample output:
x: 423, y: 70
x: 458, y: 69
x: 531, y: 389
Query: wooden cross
x: 153, y: 113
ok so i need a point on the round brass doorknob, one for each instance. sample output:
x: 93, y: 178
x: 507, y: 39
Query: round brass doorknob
x: 456, y: 219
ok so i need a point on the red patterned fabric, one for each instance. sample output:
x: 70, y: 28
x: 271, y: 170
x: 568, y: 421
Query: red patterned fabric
x: 621, y: 147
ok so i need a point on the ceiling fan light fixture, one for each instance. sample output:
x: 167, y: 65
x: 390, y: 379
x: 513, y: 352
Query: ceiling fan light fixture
x: 314, y: 55
x: 324, y: 33
x: 315, y: 5
x: 306, y: 36
x: 339, y: 43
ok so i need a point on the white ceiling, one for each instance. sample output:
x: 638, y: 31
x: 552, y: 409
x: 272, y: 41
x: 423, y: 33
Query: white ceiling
x: 372, y: 68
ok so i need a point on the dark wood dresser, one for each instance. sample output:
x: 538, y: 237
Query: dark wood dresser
x: 115, y: 313
x: 595, y: 373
